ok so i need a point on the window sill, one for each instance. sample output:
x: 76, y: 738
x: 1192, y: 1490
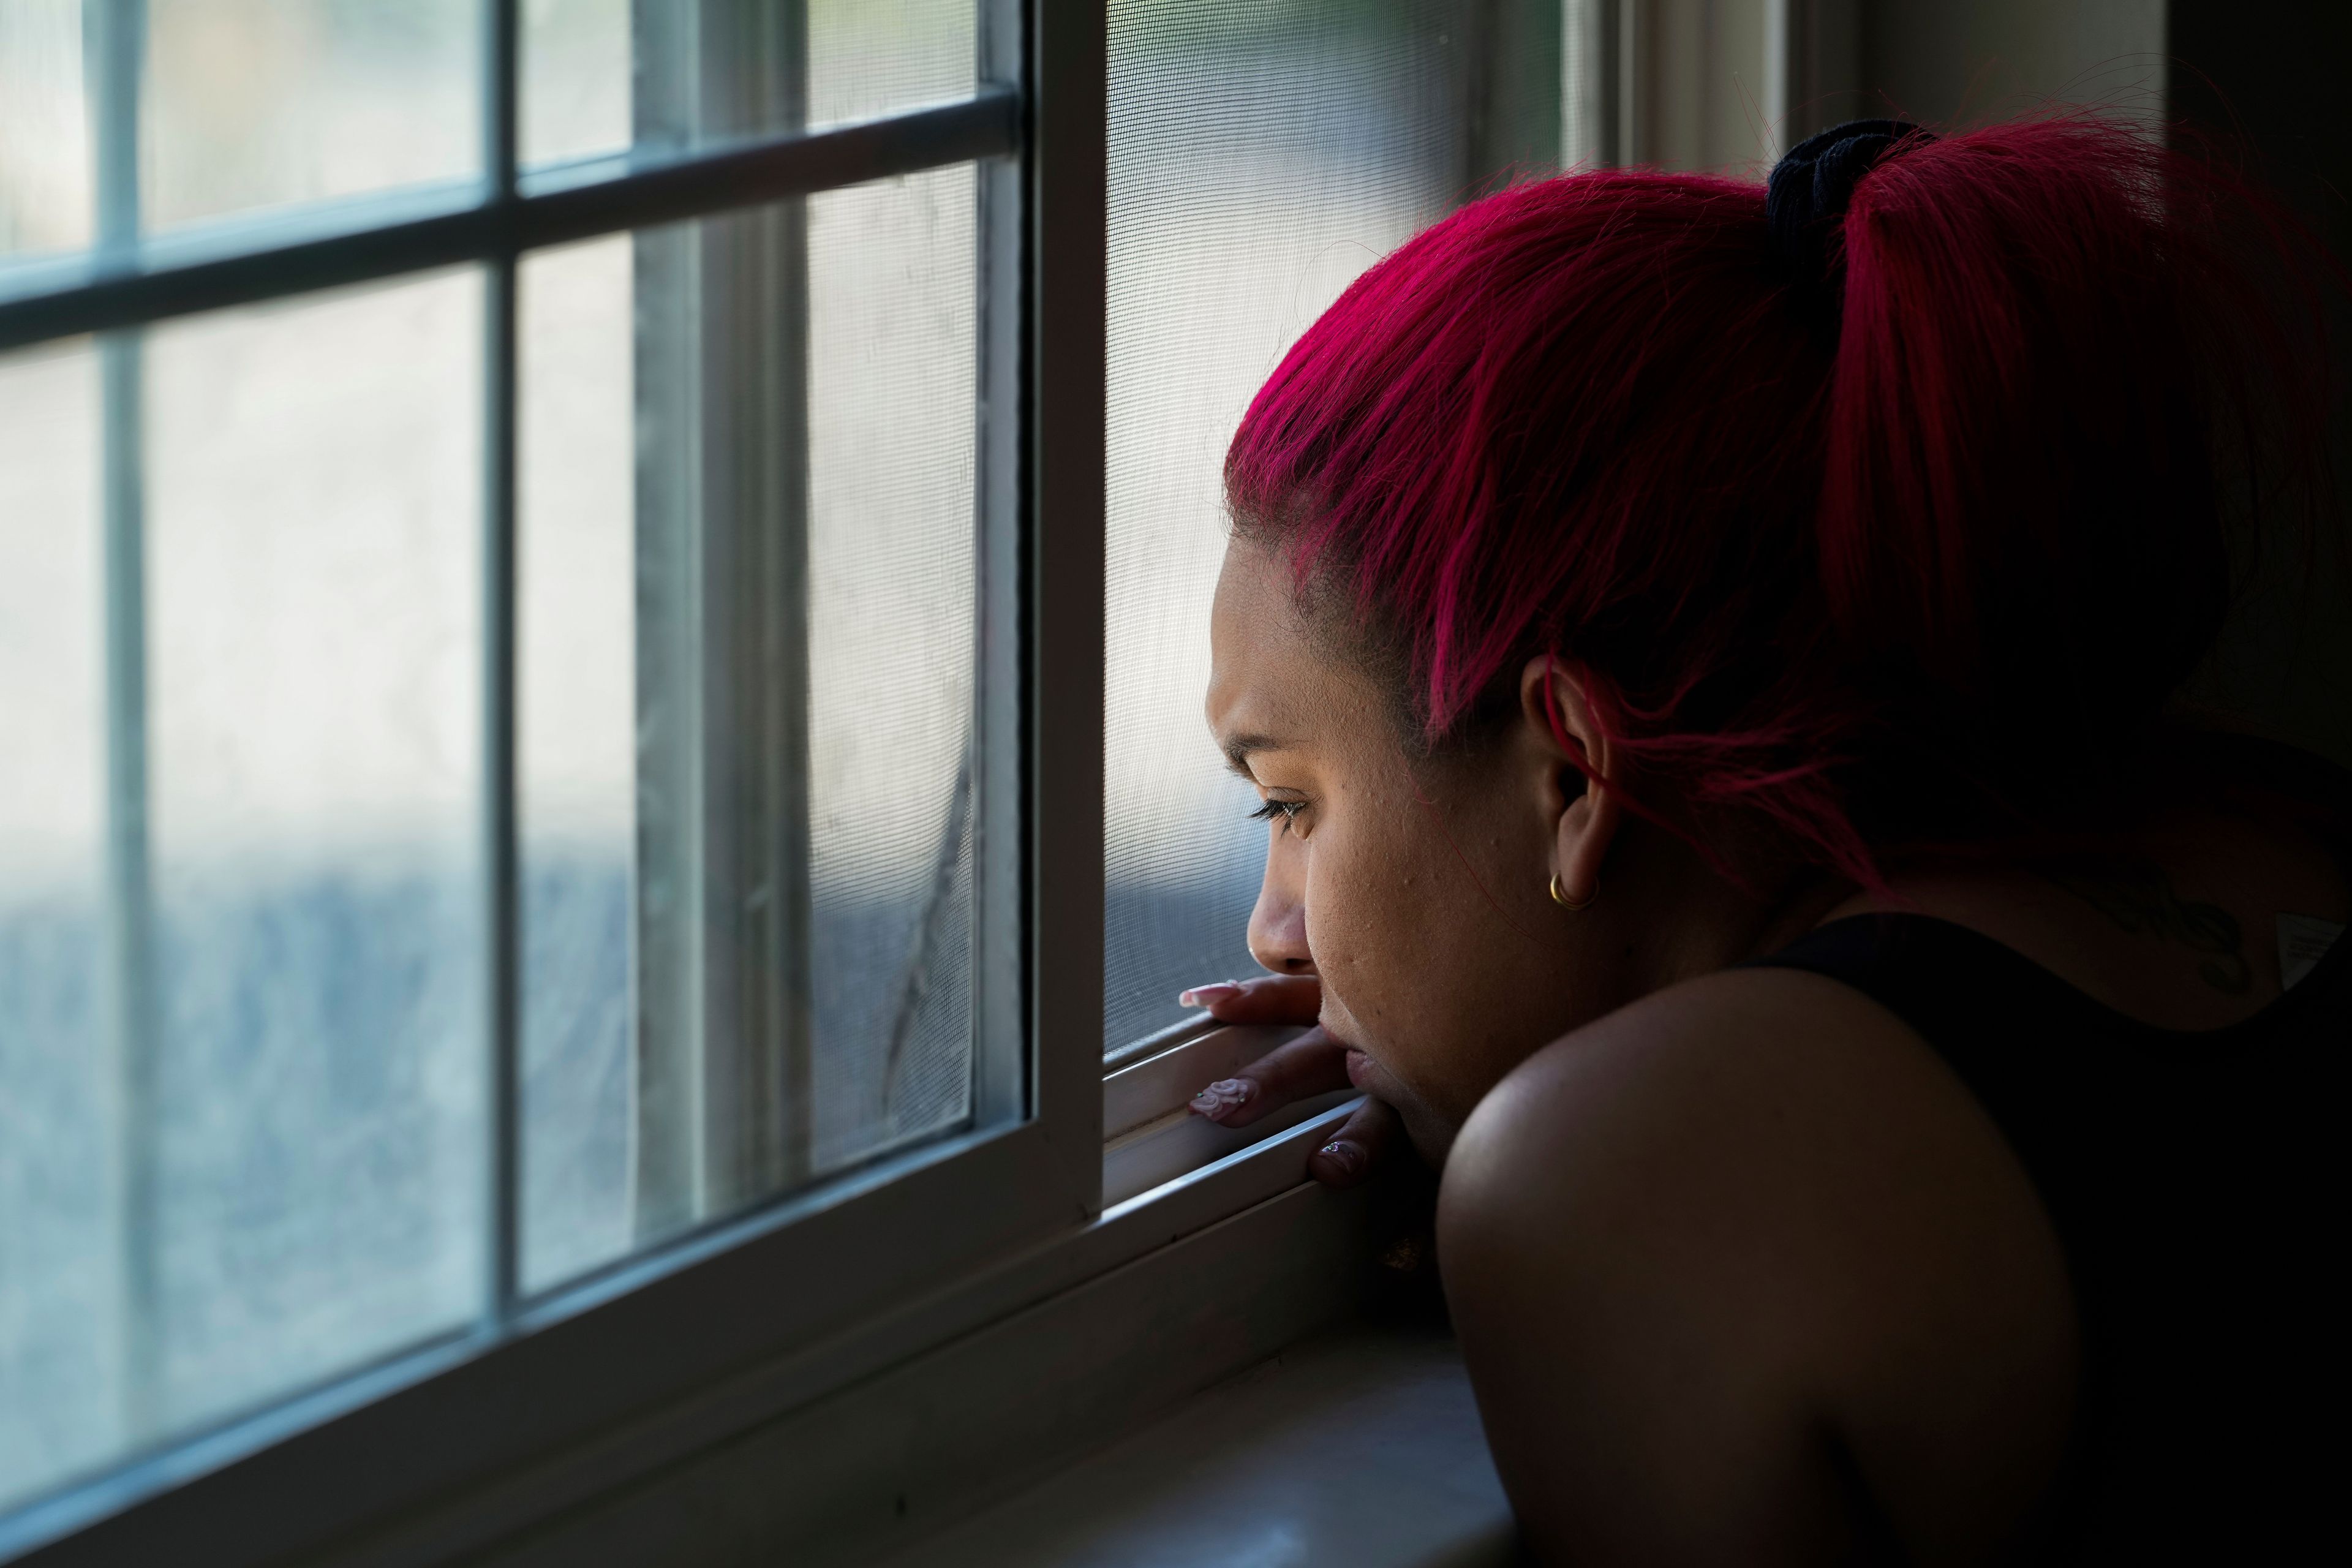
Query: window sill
x: 1151, y: 1136
x: 1359, y: 1446
x: 1165, y: 1295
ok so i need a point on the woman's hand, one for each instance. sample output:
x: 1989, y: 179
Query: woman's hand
x: 1312, y: 1064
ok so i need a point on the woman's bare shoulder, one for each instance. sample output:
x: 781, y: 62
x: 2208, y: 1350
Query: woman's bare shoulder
x: 1693, y: 1239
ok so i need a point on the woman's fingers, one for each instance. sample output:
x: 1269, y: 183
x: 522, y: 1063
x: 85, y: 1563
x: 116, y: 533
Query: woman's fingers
x: 1312, y: 1064
x: 1269, y: 999
x: 1360, y: 1143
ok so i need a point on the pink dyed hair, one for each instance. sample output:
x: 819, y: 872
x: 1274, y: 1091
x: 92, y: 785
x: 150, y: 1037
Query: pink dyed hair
x: 1924, y: 568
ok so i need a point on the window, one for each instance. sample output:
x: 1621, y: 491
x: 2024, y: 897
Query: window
x: 529, y: 670
x: 589, y: 780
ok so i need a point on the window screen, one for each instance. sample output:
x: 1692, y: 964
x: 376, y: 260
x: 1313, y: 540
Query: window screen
x: 1261, y: 153
x: 826, y: 709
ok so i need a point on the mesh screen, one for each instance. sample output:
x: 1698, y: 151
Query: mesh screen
x: 870, y: 57
x: 1261, y: 153
x: 890, y: 651
x: 892, y: 348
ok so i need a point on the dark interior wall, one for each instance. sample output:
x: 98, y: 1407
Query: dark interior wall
x: 1952, y: 61
x: 2273, y: 72
x: 1518, y: 127
x: 2261, y: 82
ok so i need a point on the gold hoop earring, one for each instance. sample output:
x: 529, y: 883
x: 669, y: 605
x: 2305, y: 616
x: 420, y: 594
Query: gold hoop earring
x: 1563, y: 899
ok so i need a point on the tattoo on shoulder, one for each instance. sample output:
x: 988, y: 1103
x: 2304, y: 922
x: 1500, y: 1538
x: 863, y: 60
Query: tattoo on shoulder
x: 2140, y: 899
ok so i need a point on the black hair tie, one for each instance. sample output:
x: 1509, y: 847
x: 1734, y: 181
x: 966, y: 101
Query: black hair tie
x: 1808, y: 193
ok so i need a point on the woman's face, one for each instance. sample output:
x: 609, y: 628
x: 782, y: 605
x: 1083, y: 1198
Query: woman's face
x: 1418, y: 891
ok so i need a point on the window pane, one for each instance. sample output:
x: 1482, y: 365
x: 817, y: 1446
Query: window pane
x: 869, y: 57
x: 1261, y: 153
x: 45, y: 192
x: 599, y: 73
x: 57, y: 1266
x: 255, y: 1158
x: 575, y: 81
x: 258, y: 104
x: 291, y: 1155
x: 892, y: 612
x: 314, y: 651
x: 748, y: 689
x: 576, y: 747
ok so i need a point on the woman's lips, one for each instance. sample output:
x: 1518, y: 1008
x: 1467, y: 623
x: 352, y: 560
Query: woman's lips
x: 1374, y: 1080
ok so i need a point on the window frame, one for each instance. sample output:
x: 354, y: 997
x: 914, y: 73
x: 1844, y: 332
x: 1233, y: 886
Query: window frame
x: 539, y: 1374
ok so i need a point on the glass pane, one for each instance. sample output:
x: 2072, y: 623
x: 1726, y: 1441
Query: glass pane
x: 576, y: 752
x: 892, y: 609
x: 575, y: 81
x: 599, y: 73
x: 747, y: 691
x: 258, y: 104
x: 870, y: 57
x: 1261, y: 153
x: 313, y: 659
x: 241, y: 1007
x: 58, y: 1362
x: 45, y: 191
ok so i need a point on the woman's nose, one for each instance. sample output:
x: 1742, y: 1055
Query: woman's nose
x: 1277, y: 927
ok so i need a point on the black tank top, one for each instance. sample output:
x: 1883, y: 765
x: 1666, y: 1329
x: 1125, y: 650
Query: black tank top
x: 2196, y: 1180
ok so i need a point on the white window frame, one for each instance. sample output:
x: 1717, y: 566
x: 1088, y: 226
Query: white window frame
x: 535, y: 1375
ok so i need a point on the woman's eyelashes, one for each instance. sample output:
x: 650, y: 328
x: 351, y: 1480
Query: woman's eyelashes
x: 1286, y: 811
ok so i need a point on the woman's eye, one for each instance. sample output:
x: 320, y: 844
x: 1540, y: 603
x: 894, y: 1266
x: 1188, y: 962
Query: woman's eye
x: 1287, y: 810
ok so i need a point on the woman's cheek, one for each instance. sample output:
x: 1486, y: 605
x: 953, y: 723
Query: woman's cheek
x: 1357, y: 920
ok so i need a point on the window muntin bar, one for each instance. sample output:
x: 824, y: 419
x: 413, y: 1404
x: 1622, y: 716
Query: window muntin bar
x: 178, y: 278
x: 501, y: 913
x: 1002, y: 1086
x: 115, y: 39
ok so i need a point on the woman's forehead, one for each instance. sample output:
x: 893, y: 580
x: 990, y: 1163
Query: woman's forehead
x: 1273, y: 686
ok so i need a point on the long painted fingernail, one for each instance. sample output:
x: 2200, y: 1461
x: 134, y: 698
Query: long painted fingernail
x: 1201, y: 995
x: 1344, y: 1158
x: 1225, y: 1095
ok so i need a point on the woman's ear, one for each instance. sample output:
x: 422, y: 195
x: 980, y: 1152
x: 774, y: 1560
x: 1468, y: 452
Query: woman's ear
x: 1585, y: 814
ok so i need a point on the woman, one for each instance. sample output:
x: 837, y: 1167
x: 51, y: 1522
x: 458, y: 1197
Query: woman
x: 1709, y: 660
